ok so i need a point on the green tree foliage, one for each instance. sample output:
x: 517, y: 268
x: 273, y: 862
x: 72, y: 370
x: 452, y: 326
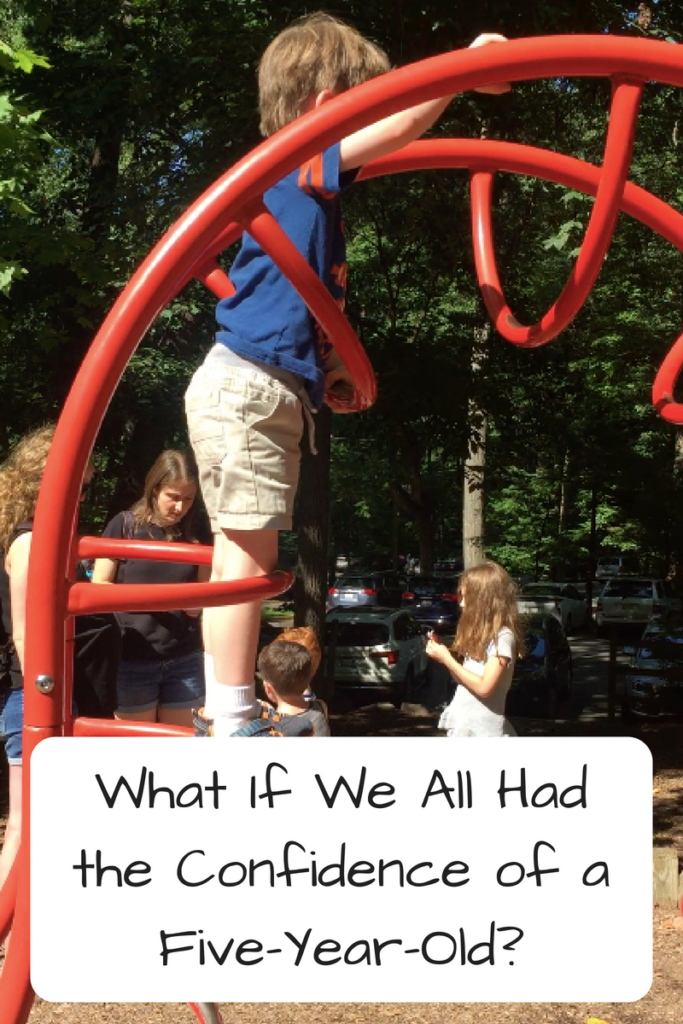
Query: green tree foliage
x: 149, y: 101
x: 20, y: 154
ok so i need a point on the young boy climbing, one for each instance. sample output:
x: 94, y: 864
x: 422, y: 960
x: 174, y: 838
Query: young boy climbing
x: 270, y: 364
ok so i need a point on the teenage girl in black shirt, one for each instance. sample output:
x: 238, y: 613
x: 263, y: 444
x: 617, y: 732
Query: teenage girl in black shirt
x: 161, y: 674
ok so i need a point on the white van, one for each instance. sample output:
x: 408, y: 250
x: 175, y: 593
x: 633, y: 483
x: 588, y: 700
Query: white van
x: 618, y: 565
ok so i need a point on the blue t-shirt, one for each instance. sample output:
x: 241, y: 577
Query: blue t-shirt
x: 267, y: 319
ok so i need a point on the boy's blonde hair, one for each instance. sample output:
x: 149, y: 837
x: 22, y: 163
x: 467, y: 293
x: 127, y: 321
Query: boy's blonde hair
x: 315, y: 53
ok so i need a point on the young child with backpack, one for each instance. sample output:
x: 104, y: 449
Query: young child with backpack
x: 270, y: 363
x: 286, y: 668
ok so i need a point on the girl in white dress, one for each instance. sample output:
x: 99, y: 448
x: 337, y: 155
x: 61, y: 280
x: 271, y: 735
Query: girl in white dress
x: 488, y: 639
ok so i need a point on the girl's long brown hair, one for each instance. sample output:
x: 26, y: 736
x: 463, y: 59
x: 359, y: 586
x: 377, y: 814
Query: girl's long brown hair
x: 171, y: 467
x: 490, y: 605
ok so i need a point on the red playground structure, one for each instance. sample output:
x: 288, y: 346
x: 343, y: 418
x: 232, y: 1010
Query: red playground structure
x: 190, y: 250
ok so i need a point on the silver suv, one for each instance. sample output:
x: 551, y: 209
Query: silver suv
x: 378, y: 651
x: 631, y: 599
x: 358, y: 590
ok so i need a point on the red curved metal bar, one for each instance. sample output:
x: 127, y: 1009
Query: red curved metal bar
x: 85, y: 598
x: 204, y: 266
x: 216, y: 280
x: 185, y: 250
x: 617, y: 161
x: 8, y: 896
x: 111, y: 727
x: 565, y: 170
x: 262, y: 226
x: 207, y: 1013
x: 152, y: 550
x: 16, y: 994
x: 515, y: 158
x: 665, y: 383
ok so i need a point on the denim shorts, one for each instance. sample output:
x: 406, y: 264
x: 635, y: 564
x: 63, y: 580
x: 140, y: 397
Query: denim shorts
x: 11, y: 723
x: 176, y: 683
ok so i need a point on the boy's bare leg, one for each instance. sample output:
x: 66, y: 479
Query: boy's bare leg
x: 231, y: 632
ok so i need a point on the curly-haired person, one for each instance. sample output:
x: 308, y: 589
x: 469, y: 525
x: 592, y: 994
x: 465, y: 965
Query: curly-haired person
x: 20, y: 478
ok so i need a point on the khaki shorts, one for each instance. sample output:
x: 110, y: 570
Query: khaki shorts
x: 245, y: 429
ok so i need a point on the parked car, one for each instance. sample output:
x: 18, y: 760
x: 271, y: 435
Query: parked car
x: 596, y: 591
x: 378, y: 650
x: 434, y: 601
x: 653, y: 687
x: 618, y: 565
x: 629, y: 600
x: 372, y: 588
x: 448, y: 565
x: 422, y: 591
x: 543, y: 677
x: 439, y: 617
x: 571, y: 605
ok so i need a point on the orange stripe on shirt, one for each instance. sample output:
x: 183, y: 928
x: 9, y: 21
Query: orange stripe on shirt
x: 303, y: 176
x: 311, y: 178
x: 317, y: 172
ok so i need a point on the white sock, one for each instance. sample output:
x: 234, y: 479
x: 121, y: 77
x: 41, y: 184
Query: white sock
x: 230, y: 707
x: 209, y: 670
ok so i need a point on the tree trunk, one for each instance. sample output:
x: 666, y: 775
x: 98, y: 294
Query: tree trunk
x: 418, y: 506
x: 678, y: 453
x: 475, y: 463
x: 425, y: 531
x: 313, y: 532
x: 473, y: 495
x: 564, y: 495
x: 102, y: 184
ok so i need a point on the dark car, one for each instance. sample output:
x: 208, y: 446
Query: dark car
x: 358, y: 590
x: 449, y: 565
x: 653, y: 687
x: 543, y: 677
x: 423, y: 591
x: 439, y: 617
x: 433, y: 601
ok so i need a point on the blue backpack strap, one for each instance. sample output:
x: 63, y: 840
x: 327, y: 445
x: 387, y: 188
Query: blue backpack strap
x: 272, y: 723
x: 257, y: 727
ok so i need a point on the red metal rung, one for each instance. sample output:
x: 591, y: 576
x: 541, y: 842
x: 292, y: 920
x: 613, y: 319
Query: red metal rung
x: 264, y: 228
x: 617, y: 160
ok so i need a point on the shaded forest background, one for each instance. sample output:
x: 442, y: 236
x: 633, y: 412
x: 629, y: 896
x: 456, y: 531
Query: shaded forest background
x: 116, y: 114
